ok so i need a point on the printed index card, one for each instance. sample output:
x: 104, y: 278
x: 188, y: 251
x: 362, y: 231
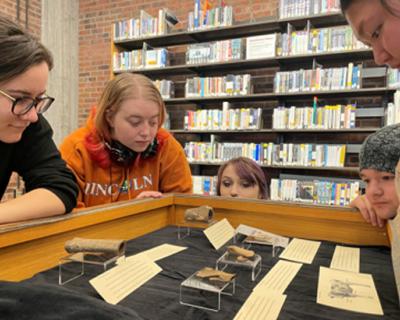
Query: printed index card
x: 261, y: 306
x: 348, y: 290
x: 347, y: 259
x: 120, y: 281
x: 301, y: 250
x: 279, y: 277
x: 220, y: 233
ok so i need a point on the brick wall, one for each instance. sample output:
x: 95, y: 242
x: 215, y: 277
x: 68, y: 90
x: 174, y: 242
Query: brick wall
x: 96, y: 18
x: 8, y: 8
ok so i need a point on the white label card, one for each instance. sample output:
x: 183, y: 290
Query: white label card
x: 154, y: 254
x: 220, y: 233
x: 120, y: 281
x: 279, y: 277
x: 301, y: 250
x: 347, y: 259
x: 261, y: 306
x: 348, y: 290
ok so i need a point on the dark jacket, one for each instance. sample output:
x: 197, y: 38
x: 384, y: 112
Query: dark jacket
x: 36, y: 159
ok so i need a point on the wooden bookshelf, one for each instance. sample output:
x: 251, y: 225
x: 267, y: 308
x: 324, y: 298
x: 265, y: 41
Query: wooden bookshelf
x: 318, y: 20
x: 246, y: 29
x: 289, y: 167
x: 371, y: 96
x: 268, y: 25
x: 288, y: 95
x: 250, y: 63
x: 252, y: 131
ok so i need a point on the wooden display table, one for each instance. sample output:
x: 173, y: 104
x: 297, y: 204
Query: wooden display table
x: 28, y: 248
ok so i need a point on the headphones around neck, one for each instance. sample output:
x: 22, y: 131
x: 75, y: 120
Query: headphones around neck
x: 123, y: 155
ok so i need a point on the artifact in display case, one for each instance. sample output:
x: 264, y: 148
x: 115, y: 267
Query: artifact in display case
x: 200, y: 217
x: 236, y: 256
x: 204, y: 289
x: 102, y: 252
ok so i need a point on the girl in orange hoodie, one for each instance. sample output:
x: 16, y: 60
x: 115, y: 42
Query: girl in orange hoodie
x: 123, y: 153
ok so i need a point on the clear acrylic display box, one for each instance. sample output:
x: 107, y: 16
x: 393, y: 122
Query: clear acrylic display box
x: 228, y: 259
x: 278, y: 245
x: 184, y: 231
x: 203, y: 293
x: 75, y: 264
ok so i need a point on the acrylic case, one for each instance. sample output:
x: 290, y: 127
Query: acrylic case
x: 228, y: 260
x: 204, y: 293
x: 184, y: 231
x: 72, y: 266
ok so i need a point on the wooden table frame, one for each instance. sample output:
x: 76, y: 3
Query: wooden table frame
x: 28, y: 248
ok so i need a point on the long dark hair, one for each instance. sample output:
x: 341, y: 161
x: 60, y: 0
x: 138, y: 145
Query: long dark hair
x: 246, y: 169
x: 19, y: 50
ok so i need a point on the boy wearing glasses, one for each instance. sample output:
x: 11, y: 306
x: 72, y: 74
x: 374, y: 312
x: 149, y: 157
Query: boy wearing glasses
x: 26, y: 144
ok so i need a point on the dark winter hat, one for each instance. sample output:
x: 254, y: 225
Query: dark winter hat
x: 381, y: 150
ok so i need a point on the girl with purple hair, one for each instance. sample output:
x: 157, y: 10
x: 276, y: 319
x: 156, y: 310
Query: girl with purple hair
x: 243, y: 178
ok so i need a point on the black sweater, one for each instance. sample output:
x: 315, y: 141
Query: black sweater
x: 36, y: 158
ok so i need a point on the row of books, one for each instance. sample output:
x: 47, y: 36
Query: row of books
x: 301, y: 8
x: 256, y: 47
x: 225, y: 119
x: 326, y: 117
x: 284, y: 154
x: 205, y: 185
x: 217, y: 51
x: 206, y: 17
x: 166, y: 88
x: 140, y: 59
x: 144, y: 26
x: 393, y: 110
x: 318, y: 79
x: 340, y: 38
x: 229, y: 85
x: 393, y: 78
x: 314, y: 191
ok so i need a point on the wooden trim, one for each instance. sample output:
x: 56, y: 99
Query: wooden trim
x: 343, y: 225
x: 23, y: 260
x: 17, y: 233
x: 389, y: 233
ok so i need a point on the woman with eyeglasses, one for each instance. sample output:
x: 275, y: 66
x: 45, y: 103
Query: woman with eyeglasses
x: 26, y: 145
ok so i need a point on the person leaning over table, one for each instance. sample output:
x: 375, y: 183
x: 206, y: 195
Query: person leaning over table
x: 243, y: 178
x: 378, y: 158
x: 376, y: 23
x: 26, y: 144
x: 123, y: 153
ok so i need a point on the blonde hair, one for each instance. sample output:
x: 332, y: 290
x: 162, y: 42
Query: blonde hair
x: 123, y: 87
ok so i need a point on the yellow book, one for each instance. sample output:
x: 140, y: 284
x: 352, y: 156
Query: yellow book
x: 342, y: 155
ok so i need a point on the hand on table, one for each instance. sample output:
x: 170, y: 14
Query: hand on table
x: 366, y: 210
x: 149, y: 194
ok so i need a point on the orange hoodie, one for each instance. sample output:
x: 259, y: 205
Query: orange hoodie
x: 167, y: 171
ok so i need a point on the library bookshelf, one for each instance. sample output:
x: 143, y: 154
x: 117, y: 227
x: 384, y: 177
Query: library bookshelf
x: 371, y: 98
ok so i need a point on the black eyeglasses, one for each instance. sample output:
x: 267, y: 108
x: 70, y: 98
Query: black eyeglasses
x: 22, y: 105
